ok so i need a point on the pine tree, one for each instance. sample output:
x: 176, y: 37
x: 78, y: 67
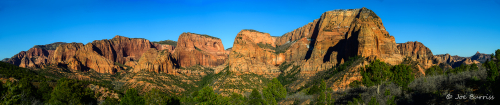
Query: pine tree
x: 256, y: 98
x: 132, y: 97
x: 403, y: 75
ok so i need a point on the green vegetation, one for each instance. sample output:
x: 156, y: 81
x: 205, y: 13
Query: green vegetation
x: 252, y: 30
x: 276, y: 49
x: 402, y: 75
x: 493, y: 66
x: 378, y: 72
x: 274, y: 91
x: 132, y: 97
x: 70, y: 91
x: 167, y: 42
x: 198, y: 48
x: 401, y: 87
x: 208, y: 36
x: 375, y: 73
x: 52, y: 46
x: 266, y: 46
x: 434, y: 70
x: 287, y: 77
x: 282, y: 48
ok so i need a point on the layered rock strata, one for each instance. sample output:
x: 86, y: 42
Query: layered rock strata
x: 197, y: 49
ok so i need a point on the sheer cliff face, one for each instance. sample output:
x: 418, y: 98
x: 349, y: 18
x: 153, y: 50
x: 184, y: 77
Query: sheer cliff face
x: 319, y: 45
x: 195, y: 49
x: 418, y: 52
x: 252, y: 53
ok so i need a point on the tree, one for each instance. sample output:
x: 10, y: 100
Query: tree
x: 403, y: 75
x: 156, y: 97
x: 255, y: 98
x: 237, y: 99
x: 434, y: 70
x: 375, y: 73
x: 70, y: 91
x: 44, y: 91
x: 492, y: 65
x: 207, y: 96
x: 274, y: 91
x: 322, y: 95
x: 268, y: 96
x: 132, y: 97
x: 474, y: 67
x: 110, y: 101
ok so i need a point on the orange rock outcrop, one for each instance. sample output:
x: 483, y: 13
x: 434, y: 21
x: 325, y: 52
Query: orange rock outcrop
x: 319, y: 45
x: 156, y: 61
x: 195, y: 49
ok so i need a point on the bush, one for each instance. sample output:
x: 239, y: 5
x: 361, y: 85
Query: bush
x: 373, y: 101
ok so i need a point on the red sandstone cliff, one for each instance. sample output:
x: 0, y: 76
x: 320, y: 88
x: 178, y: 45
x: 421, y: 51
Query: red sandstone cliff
x: 195, y: 49
x: 156, y: 61
x: 418, y: 52
x: 252, y: 53
x: 319, y: 45
x: 99, y: 55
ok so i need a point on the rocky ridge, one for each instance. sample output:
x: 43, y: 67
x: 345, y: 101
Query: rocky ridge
x: 317, y: 46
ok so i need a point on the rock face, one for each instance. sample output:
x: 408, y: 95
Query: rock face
x: 480, y: 57
x: 156, y: 61
x: 319, y: 45
x: 169, y: 48
x: 252, y: 53
x: 417, y: 51
x: 100, y: 55
x: 340, y: 34
x: 38, y: 56
x: 122, y: 49
x: 195, y: 49
x: 5, y: 59
x: 455, y: 61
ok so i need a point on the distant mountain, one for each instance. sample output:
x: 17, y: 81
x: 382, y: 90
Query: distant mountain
x: 481, y: 57
x: 5, y: 59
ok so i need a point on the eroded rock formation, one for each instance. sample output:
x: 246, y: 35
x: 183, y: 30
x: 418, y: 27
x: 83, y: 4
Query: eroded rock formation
x: 156, y: 61
x: 195, y: 49
x: 319, y: 45
x: 99, y: 55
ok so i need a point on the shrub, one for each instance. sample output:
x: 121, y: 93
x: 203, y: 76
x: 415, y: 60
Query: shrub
x: 373, y: 101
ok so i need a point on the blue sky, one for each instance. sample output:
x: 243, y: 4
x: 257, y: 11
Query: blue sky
x: 457, y: 27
